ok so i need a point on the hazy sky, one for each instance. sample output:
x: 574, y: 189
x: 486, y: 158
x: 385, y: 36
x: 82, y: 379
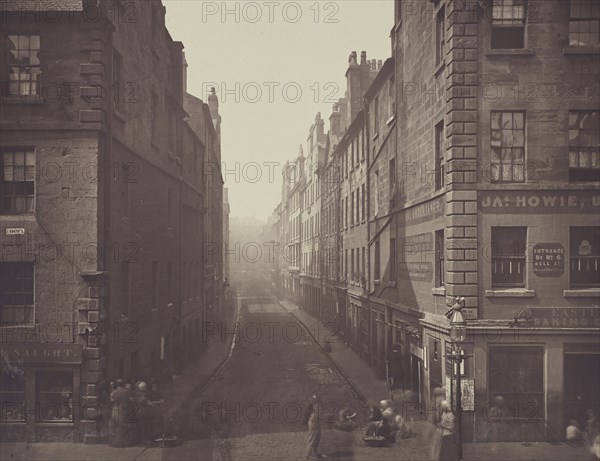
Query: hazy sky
x: 276, y: 64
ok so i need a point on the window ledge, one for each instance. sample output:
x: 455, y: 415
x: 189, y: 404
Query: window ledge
x: 16, y: 217
x: 582, y: 293
x: 575, y: 49
x: 510, y: 293
x: 23, y: 99
x: 510, y: 52
x: 438, y: 291
x: 439, y: 68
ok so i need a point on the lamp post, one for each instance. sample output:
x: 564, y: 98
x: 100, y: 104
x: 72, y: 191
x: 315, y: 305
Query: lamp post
x: 458, y: 335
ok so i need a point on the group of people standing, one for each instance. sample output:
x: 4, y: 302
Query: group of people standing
x: 134, y: 417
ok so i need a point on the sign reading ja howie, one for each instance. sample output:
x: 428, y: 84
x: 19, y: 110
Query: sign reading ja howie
x: 538, y: 202
x: 46, y: 353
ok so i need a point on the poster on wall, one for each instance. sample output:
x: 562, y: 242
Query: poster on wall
x: 548, y: 259
x: 468, y: 393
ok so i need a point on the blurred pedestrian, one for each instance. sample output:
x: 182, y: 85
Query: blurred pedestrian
x: 314, y: 428
x: 142, y: 407
x: 447, y: 425
x: 120, y: 398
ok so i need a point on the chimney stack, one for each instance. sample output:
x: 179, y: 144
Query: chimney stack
x: 363, y: 58
x: 352, y: 59
x: 335, y: 119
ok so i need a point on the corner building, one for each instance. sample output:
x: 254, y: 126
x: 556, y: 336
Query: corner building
x: 101, y: 216
x: 499, y: 180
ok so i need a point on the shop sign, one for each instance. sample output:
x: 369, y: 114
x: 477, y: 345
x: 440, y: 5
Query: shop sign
x: 42, y: 353
x: 15, y: 231
x: 548, y: 259
x: 566, y: 317
x: 424, y: 212
x: 416, y: 351
x: 417, y: 271
x: 539, y: 202
x: 417, y: 244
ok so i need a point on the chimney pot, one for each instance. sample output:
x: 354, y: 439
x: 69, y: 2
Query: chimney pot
x: 352, y: 58
x: 363, y: 57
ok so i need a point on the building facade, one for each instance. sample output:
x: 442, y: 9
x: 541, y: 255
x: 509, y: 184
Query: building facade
x: 310, y: 248
x: 499, y: 187
x: 102, y: 214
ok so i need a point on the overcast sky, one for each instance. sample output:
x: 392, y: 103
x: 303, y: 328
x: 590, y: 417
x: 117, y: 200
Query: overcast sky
x: 276, y: 64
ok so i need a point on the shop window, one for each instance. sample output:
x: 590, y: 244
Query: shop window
x: 584, y: 23
x: 507, y: 146
x: 508, y: 256
x: 24, y: 65
x: 17, y: 189
x: 12, y: 395
x: 508, y: 24
x: 516, y: 382
x: 17, y: 298
x: 584, y: 145
x: 585, y: 257
x: 55, y: 396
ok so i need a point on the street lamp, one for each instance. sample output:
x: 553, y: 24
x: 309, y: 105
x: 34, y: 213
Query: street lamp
x: 458, y: 335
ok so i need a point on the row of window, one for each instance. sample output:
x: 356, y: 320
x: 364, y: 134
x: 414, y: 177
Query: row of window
x: 311, y: 227
x: 509, y: 19
x: 353, y: 266
x: 509, y: 245
x: 354, y: 154
x: 508, y: 145
x: 17, y: 299
x: 53, y: 396
x: 353, y: 210
x: 508, y: 257
x: 18, y: 184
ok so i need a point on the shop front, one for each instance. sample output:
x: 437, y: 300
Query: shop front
x: 39, y: 392
x: 531, y: 382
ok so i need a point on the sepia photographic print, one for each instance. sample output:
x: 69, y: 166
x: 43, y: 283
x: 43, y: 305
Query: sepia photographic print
x: 356, y: 230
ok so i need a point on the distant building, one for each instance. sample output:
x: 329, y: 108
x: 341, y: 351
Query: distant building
x: 310, y: 247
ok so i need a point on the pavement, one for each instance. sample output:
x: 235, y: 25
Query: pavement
x: 246, y: 397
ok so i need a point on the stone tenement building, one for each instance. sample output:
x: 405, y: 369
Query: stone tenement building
x: 483, y: 182
x: 499, y: 197
x: 102, y: 199
x: 310, y: 248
